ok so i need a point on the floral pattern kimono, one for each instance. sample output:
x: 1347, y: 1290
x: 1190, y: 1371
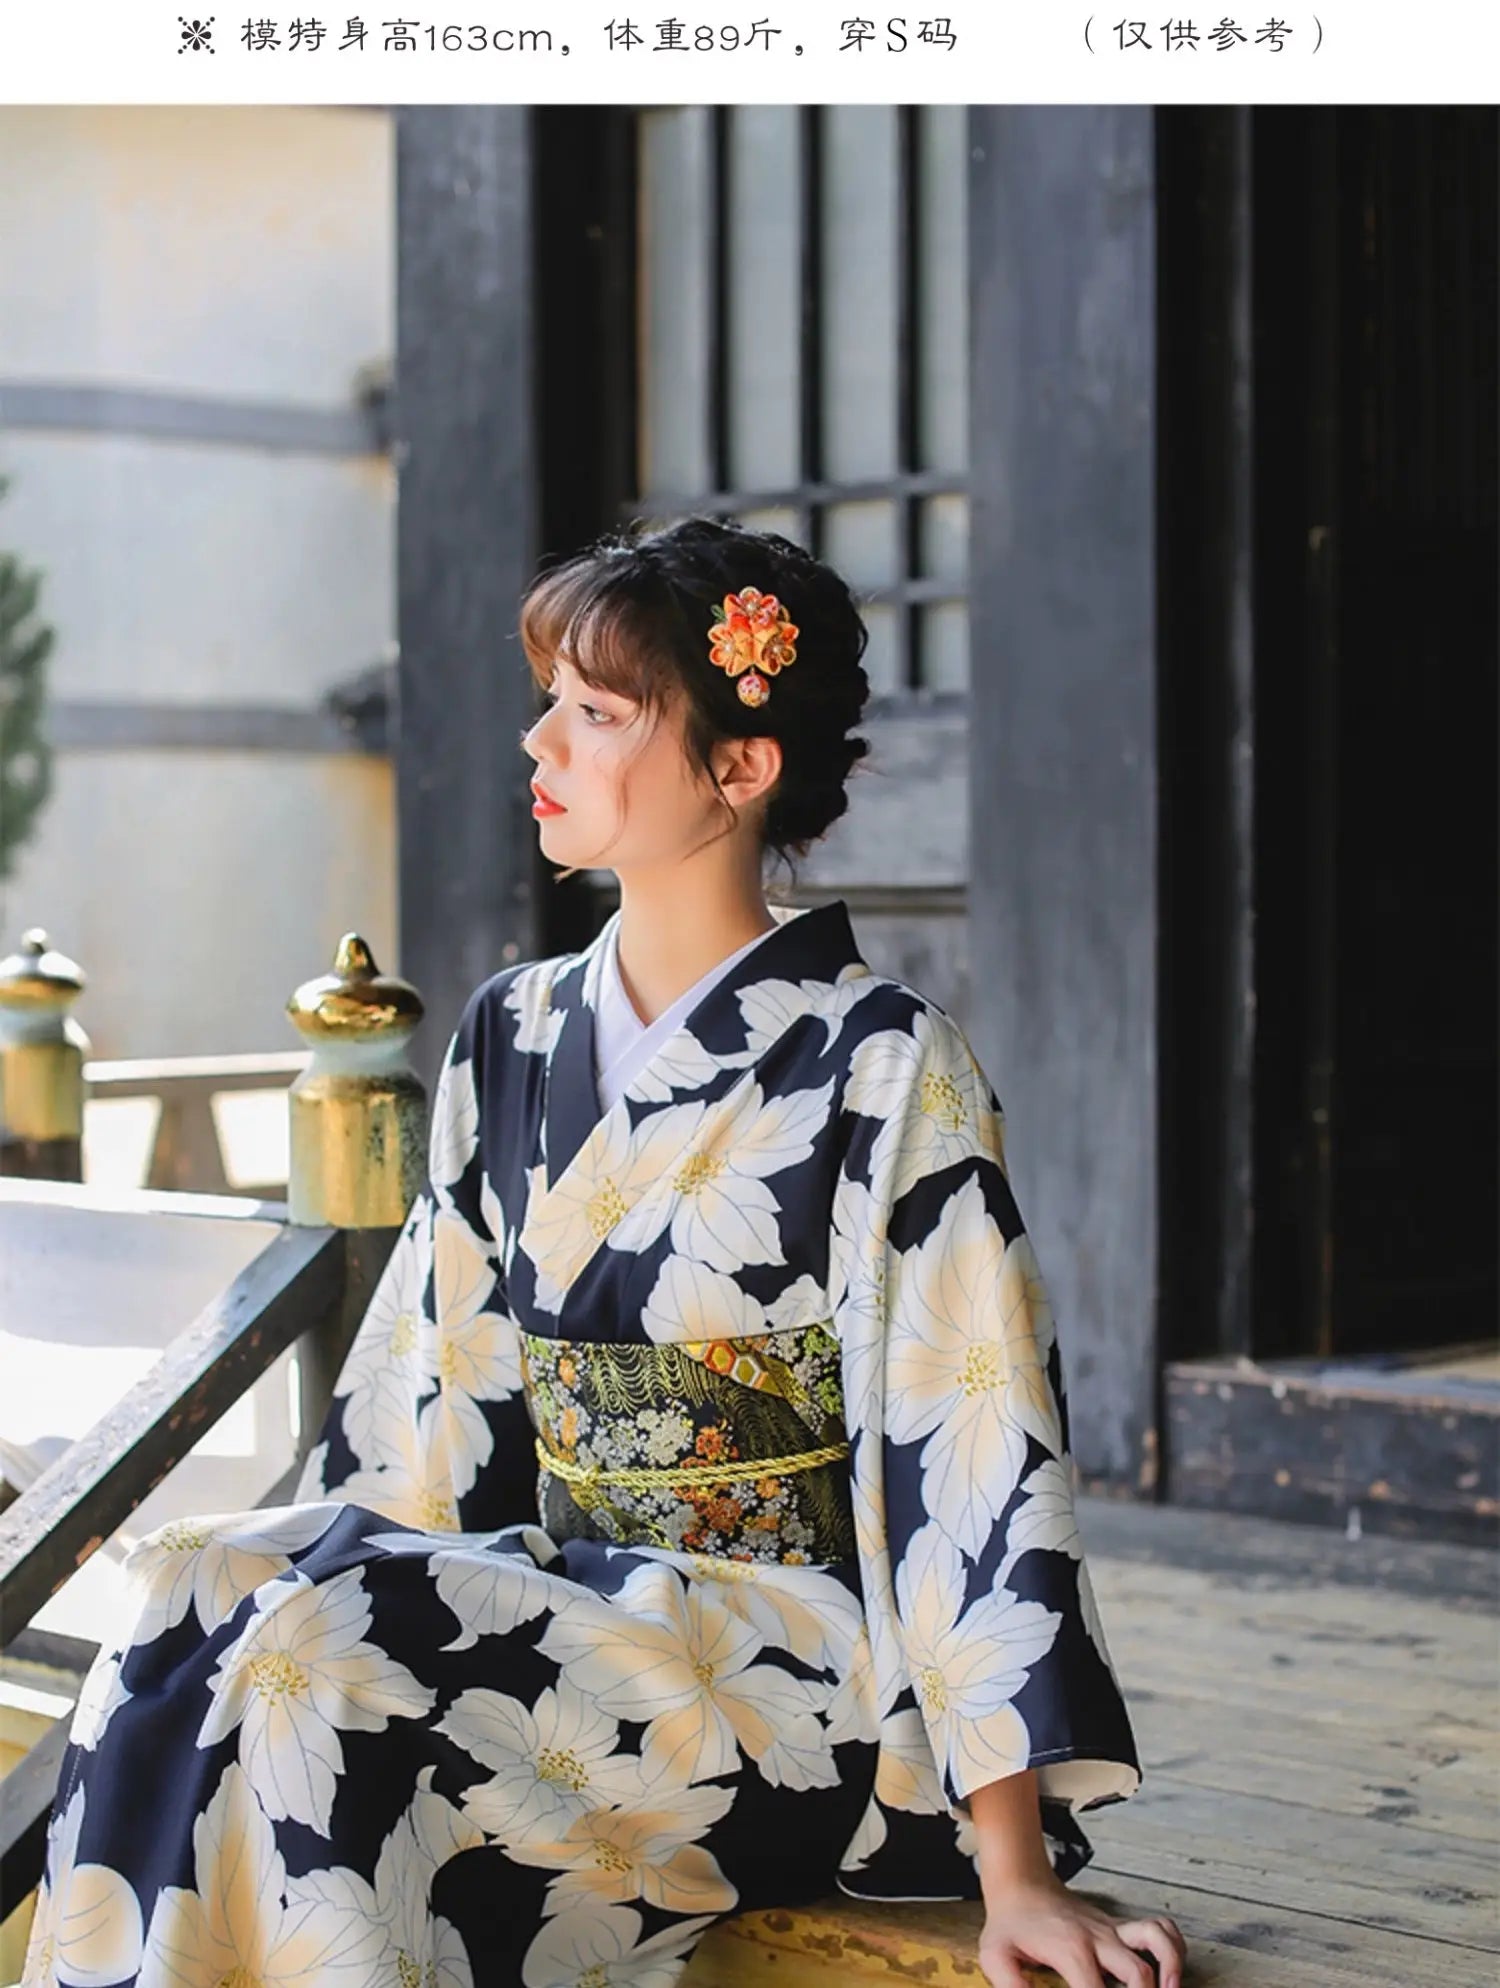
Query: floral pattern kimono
x: 691, y: 1529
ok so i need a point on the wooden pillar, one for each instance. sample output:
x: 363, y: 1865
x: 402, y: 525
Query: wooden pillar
x: 465, y: 446
x: 585, y: 170
x: 1215, y: 362
x: 1063, y: 768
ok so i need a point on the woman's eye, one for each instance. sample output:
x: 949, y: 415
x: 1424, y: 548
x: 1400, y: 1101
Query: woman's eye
x: 591, y: 710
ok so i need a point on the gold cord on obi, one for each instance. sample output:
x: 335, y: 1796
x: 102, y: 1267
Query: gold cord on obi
x: 673, y: 1477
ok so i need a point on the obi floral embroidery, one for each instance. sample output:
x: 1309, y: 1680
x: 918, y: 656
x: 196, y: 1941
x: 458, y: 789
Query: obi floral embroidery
x: 733, y: 1447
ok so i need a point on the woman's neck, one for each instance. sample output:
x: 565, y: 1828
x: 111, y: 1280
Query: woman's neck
x: 665, y: 946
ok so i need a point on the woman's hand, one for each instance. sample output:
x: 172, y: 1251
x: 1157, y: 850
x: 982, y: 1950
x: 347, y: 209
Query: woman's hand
x: 1030, y: 1914
x: 1038, y: 1919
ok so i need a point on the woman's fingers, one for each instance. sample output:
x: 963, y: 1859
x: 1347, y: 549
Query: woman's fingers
x: 1124, y: 1966
x: 1002, y: 1970
x: 1161, y: 1938
x: 1071, y: 1960
x: 1093, y: 1956
x: 1075, y: 1961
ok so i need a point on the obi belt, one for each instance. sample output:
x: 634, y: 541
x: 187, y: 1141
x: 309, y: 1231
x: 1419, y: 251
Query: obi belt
x: 731, y: 1447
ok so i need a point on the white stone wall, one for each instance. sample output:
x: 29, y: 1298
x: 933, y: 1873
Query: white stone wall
x: 243, y: 255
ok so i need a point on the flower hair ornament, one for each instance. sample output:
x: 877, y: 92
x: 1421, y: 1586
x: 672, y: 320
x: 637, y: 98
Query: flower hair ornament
x: 751, y: 634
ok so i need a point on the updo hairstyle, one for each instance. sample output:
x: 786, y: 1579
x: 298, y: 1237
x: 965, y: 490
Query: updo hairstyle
x: 633, y: 614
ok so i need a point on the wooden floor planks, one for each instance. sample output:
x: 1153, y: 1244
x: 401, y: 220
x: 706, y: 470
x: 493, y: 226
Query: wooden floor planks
x: 1319, y: 1726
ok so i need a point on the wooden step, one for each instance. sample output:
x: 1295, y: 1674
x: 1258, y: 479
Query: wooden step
x: 845, y: 1939
x: 1232, y: 1943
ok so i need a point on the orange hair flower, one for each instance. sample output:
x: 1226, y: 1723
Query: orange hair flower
x: 752, y: 634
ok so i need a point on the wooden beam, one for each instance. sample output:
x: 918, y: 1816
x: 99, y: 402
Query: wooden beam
x: 1209, y: 1032
x: 1062, y: 744
x: 294, y: 1285
x: 26, y: 1795
x: 147, y: 413
x: 1409, y: 1453
x: 586, y: 365
x: 465, y: 446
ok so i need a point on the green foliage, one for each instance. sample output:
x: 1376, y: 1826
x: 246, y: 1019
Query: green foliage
x: 25, y: 754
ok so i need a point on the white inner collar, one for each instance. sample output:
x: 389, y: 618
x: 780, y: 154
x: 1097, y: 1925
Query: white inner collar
x: 623, y: 1043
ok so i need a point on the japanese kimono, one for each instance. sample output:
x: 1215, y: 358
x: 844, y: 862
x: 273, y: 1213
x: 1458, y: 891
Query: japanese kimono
x: 691, y: 1529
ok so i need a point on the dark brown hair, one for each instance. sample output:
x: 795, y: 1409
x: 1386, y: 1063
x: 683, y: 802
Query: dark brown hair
x: 633, y: 613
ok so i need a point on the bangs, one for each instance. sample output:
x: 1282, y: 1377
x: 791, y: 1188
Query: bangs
x: 586, y: 615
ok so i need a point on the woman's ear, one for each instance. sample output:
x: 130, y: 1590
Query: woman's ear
x: 747, y: 768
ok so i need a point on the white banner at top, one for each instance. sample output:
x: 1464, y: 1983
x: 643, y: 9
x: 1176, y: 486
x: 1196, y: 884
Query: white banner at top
x: 764, y: 51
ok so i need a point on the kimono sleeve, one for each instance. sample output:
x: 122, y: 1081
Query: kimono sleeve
x: 428, y: 1423
x: 978, y: 1598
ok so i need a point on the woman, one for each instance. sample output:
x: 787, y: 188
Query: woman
x: 692, y: 1527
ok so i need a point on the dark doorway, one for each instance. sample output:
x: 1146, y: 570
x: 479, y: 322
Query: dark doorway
x: 1328, y: 484
x: 1376, y: 680
x: 1329, y: 587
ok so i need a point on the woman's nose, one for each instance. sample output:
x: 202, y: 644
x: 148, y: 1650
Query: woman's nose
x: 529, y: 736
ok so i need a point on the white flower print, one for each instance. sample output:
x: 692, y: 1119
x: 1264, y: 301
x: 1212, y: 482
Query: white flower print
x: 691, y: 1302
x: 537, y: 1022
x: 905, y: 1778
x: 921, y: 1084
x: 715, y: 1201
x: 856, y: 1239
x: 551, y: 1764
x: 237, y: 1923
x: 299, y: 1672
x: 592, y: 1945
x: 86, y: 1925
x: 791, y: 1608
x: 490, y: 1593
x: 394, y: 1343
x: 798, y: 1305
x: 647, y: 1852
x: 477, y: 1351
x: 967, y: 1661
x: 410, y: 1475
x: 669, y: 1651
x: 682, y: 1063
x: 1048, y: 1519
x: 236, y: 1926
x: 420, y: 1945
x: 854, y: 1709
x: 212, y: 1561
x: 454, y: 1138
x: 499, y: 1238
x: 962, y: 1367
x: 102, y: 1693
x: 877, y: 1581
x: 867, y: 1839
x: 770, y: 1007
x: 611, y: 1172
x: 857, y: 1290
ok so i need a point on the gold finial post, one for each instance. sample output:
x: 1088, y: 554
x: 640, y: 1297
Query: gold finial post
x: 359, y: 1110
x: 42, y: 1049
